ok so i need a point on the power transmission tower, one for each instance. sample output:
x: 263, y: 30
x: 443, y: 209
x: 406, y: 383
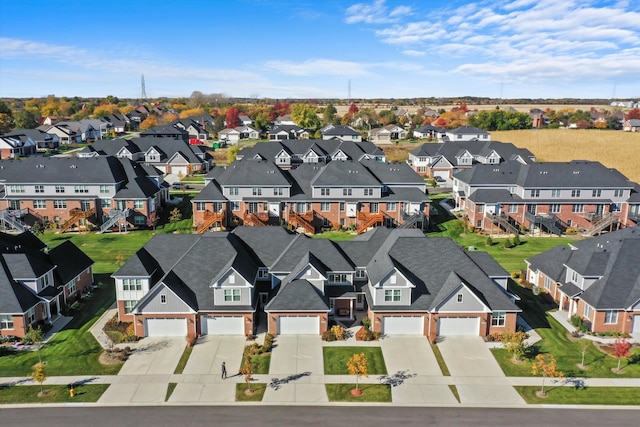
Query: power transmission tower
x: 143, y: 94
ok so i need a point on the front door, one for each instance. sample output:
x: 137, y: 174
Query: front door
x: 351, y: 209
x: 263, y: 298
x: 359, y: 301
x: 274, y: 210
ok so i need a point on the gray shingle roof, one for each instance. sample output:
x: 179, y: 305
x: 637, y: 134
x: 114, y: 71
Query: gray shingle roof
x: 14, y: 297
x: 70, y: 261
x: 298, y: 295
x: 73, y: 170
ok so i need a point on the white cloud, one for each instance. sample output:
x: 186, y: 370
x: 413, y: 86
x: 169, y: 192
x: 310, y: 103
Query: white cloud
x: 317, y: 67
x: 410, y: 52
x: 375, y: 13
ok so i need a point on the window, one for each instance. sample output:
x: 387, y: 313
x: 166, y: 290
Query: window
x: 479, y: 208
x: 513, y: 208
x: 59, y: 188
x: 535, y: 193
x: 39, y: 188
x: 232, y: 279
x: 575, y: 193
x: 338, y: 278
x: 459, y: 298
x: 618, y: 193
x: 347, y: 191
x: 579, y: 207
x: 325, y: 191
x: 587, y: 311
x: 391, y: 206
x: 163, y: 299
x: 596, y: 193
x: 277, y: 191
x: 368, y: 191
x: 16, y: 188
x: 235, y: 206
x: 129, y: 305
x: 104, y: 189
x: 31, y: 315
x: 131, y: 284
x: 233, y: 191
x: 341, y: 206
x: 80, y: 188
x: 373, y: 207
x: 555, y: 208
x: 6, y: 321
x: 574, y: 277
x: 361, y: 274
x: 139, y: 220
x: 201, y: 206
x: 547, y: 283
x: 138, y: 204
x: 71, y: 286
x: 325, y: 206
x: 39, y: 204
x: 232, y: 295
x: 392, y: 295
x: 106, y: 203
x: 610, y: 317
x: 263, y: 273
x: 256, y: 191
x: 498, y: 318
x: 555, y: 193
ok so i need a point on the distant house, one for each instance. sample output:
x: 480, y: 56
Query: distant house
x: 429, y: 132
x: 13, y: 146
x: 233, y: 135
x: 35, y: 284
x: 387, y: 134
x: 343, y: 133
x: 282, y: 132
x: 42, y: 139
x: 631, y: 125
x: 284, y: 120
x: 166, y: 132
x: 65, y: 134
x: 196, y: 131
x: 245, y: 120
x: 467, y: 133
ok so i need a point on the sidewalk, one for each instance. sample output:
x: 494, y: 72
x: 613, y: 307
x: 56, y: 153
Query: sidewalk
x: 561, y: 317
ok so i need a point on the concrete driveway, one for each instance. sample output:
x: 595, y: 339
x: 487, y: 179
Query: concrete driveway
x: 476, y: 373
x: 144, y: 377
x: 296, y: 373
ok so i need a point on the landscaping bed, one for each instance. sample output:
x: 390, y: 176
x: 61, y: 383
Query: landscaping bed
x: 336, y: 358
x: 565, y: 395
x: 243, y: 394
x: 370, y: 393
x: 53, y: 394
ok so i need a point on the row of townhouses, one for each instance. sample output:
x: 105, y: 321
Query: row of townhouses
x: 36, y: 284
x: 311, y: 185
x: 228, y: 282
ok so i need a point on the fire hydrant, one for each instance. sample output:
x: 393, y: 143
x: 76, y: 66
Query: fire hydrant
x: 72, y: 392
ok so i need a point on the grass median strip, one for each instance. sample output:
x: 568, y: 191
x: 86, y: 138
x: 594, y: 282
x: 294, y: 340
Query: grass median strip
x: 336, y: 358
x: 170, y: 388
x: 370, y: 393
x: 183, y: 360
x: 53, y: 394
x: 440, y: 360
x: 566, y: 395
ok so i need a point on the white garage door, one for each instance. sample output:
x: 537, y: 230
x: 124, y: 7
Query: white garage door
x: 177, y: 170
x: 288, y: 325
x: 441, y: 174
x: 403, y: 325
x: 459, y: 326
x: 636, y: 323
x: 219, y: 325
x: 165, y: 327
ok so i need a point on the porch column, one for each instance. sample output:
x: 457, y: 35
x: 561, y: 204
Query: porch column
x: 351, y: 309
x: 570, y: 308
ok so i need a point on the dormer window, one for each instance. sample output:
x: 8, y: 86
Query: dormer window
x: 459, y: 298
x: 574, y: 277
x: 163, y: 299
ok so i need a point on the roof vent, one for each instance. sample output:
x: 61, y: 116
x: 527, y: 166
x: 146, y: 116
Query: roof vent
x: 73, y: 166
x: 576, y: 172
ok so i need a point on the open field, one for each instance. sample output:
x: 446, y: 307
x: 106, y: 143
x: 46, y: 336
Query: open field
x: 522, y: 108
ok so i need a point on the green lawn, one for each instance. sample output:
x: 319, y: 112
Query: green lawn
x: 370, y: 393
x: 335, y: 235
x: 590, y: 395
x: 256, y: 396
x: 568, y: 354
x: 54, y: 394
x: 261, y: 363
x: 441, y: 363
x: 74, y: 350
x: 183, y: 360
x: 170, y: 388
x: 511, y: 259
x: 336, y: 358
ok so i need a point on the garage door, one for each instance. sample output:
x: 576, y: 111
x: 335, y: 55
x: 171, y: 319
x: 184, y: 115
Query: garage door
x: 403, y: 325
x: 288, y: 325
x: 179, y: 170
x: 636, y: 323
x: 219, y: 325
x: 459, y: 326
x: 165, y: 327
x: 442, y: 174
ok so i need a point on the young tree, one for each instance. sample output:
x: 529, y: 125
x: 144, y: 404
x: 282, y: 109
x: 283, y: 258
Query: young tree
x: 247, y: 371
x: 585, y: 344
x: 37, y: 228
x: 232, y: 153
x: 545, y: 364
x: 175, y: 216
x: 232, y: 117
x: 36, y: 336
x: 6, y: 118
x: 39, y: 374
x: 622, y: 348
x: 149, y: 122
x: 329, y: 114
x: 357, y: 366
x: 152, y: 220
x: 513, y: 342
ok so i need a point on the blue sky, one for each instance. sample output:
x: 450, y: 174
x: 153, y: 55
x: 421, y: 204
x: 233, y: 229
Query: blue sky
x: 312, y: 49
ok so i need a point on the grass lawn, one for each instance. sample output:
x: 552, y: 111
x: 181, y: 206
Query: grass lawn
x: 441, y: 363
x: 587, y: 396
x: 256, y: 396
x: 261, y: 363
x: 54, y: 394
x: 511, y: 259
x: 335, y: 235
x: 183, y: 360
x: 370, y: 393
x: 73, y: 350
x: 568, y: 354
x: 170, y: 388
x: 336, y: 358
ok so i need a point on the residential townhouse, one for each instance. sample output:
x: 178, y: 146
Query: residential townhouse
x: 446, y: 159
x: 343, y: 133
x: 197, y: 132
x: 36, y: 284
x: 168, y: 131
x: 549, y: 197
x: 64, y: 133
x: 42, y: 140
x: 597, y: 280
x: 12, y: 147
x: 228, y: 283
x: 78, y: 193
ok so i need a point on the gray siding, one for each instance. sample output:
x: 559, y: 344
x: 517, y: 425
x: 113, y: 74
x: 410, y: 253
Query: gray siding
x: 312, y: 276
x: 173, y: 303
x: 470, y: 302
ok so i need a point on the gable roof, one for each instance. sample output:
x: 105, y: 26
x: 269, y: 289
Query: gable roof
x: 69, y: 260
x: 298, y: 295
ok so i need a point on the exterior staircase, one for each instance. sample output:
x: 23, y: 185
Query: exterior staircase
x: 210, y: 218
x: 76, y: 215
x: 12, y: 219
x: 599, y: 226
x: 412, y: 220
x: 368, y: 220
x: 115, y: 215
x: 304, y: 221
x: 548, y: 222
x: 255, y: 219
x: 502, y: 222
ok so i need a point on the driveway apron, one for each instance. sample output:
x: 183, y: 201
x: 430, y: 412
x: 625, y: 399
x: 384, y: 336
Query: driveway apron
x: 476, y: 374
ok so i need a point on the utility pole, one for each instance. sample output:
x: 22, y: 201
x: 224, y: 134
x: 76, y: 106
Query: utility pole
x: 143, y: 93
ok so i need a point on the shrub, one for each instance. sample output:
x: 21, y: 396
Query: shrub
x: 268, y: 343
x: 507, y: 244
x: 516, y: 240
x: 489, y: 241
x: 366, y: 323
x: 579, y: 323
x: 328, y: 336
x: 515, y: 274
x: 338, y: 332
